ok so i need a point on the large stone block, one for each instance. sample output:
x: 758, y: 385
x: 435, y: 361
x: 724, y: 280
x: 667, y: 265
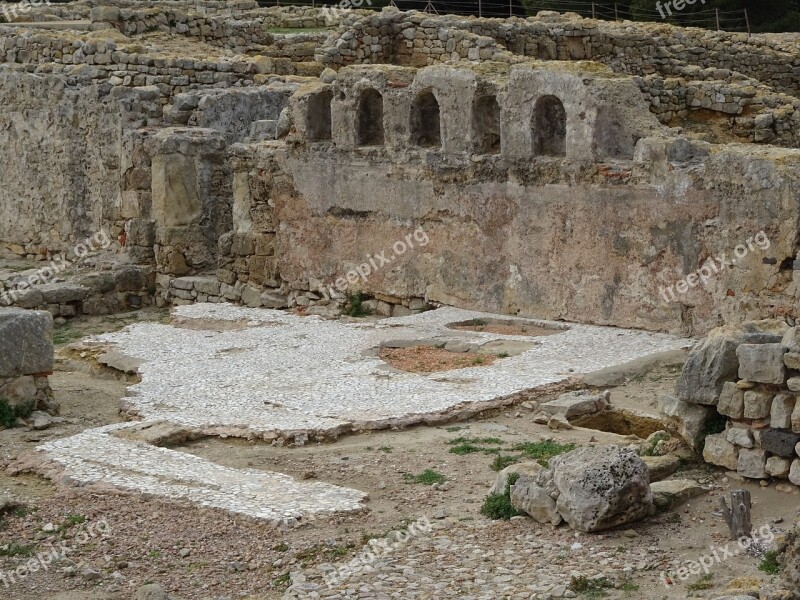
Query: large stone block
x: 792, y: 360
x: 757, y: 404
x: 26, y: 342
x: 575, y: 404
x: 791, y: 339
x: 779, y: 442
x: 731, y: 401
x: 762, y: 363
x: 796, y: 417
x: 687, y: 420
x: 56, y: 293
x: 719, y: 451
x: 794, y: 473
x: 601, y: 487
x: 709, y: 365
x: 752, y: 463
x: 781, y: 411
x: 740, y: 436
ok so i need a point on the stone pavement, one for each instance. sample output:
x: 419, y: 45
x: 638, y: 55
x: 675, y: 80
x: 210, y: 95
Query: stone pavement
x: 276, y: 374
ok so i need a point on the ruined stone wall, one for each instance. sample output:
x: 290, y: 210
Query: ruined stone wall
x: 596, y: 235
x: 61, y: 156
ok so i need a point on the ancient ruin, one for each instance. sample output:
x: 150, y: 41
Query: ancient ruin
x: 284, y: 290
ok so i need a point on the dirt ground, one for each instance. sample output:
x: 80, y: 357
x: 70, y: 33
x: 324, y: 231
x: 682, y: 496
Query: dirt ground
x: 116, y: 543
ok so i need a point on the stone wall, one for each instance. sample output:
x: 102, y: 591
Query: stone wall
x: 746, y: 380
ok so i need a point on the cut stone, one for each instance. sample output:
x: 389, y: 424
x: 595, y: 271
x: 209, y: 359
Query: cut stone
x: 762, y: 363
x: 731, y: 401
x: 792, y: 360
x: 674, y: 492
x: 781, y: 411
x: 757, y: 404
x: 26, y: 342
x: 793, y: 383
x: 661, y: 467
x: 688, y: 420
x: 740, y: 436
x: 752, y: 463
x: 719, y: 451
x: 794, y: 473
x: 576, y: 404
x: 529, y: 468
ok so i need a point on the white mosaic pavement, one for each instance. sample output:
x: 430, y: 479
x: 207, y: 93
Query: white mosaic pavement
x: 289, y: 374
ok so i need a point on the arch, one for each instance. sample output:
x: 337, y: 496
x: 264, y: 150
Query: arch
x: 486, y: 125
x: 549, y: 127
x: 425, y: 121
x: 369, y: 123
x: 611, y: 138
x: 318, y: 125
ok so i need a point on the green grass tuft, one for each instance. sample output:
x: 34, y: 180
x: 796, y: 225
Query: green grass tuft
x: 498, y: 506
x: 501, y: 461
x: 770, y: 564
x: 355, y: 306
x: 9, y: 414
x: 543, y: 451
x: 427, y: 477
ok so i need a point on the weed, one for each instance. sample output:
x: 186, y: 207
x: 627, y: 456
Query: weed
x: 486, y: 440
x: 325, y: 551
x: 704, y: 583
x: 543, y: 451
x: 64, y: 334
x: 454, y: 428
x: 282, y: 547
x: 498, y: 506
x: 591, y: 588
x: 770, y: 564
x: 282, y: 581
x: 503, y: 355
x: 651, y: 448
x: 9, y: 414
x: 674, y: 518
x: 355, y: 306
x: 427, y: 477
x: 154, y: 554
x: 462, y: 449
x: 386, y: 449
x: 629, y: 587
x: 501, y: 461
x: 478, y: 360
x: 15, y: 549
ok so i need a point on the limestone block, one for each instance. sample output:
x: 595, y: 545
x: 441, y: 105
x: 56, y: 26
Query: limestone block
x: 762, y: 363
x: 26, y: 342
x: 752, y: 463
x: 794, y: 473
x: 530, y: 498
x: 575, y: 404
x: 792, y: 360
x: 793, y: 383
x: 731, y: 401
x: 740, y: 436
x: 57, y: 293
x: 757, y: 404
x: 781, y: 411
x: 688, y: 420
x: 674, y: 492
x: 719, y: 451
x: 529, y: 468
x: 778, y: 467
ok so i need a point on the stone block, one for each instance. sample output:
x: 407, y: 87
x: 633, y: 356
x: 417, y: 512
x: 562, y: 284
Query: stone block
x: 779, y: 442
x: 740, y: 436
x: 757, y: 404
x: 575, y: 404
x: 719, y: 451
x: 19, y: 391
x: 688, y: 420
x: 794, y: 472
x: 530, y: 498
x: 778, y: 467
x: 781, y: 411
x: 752, y: 463
x: 26, y: 342
x: 762, y: 363
x: 98, y: 283
x: 792, y: 360
x: 731, y: 401
x: 791, y: 339
x: 251, y: 296
x: 672, y: 493
x: 793, y: 383
x: 58, y: 293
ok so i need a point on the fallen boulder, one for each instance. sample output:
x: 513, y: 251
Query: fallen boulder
x: 674, y: 492
x: 527, y: 468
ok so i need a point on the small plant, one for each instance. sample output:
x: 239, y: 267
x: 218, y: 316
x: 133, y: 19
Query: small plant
x: 154, y: 554
x: 355, y: 306
x: 454, y: 428
x: 501, y: 461
x: 16, y: 549
x: 592, y: 588
x: 503, y: 355
x: 704, y: 583
x: 427, y: 477
x: 770, y: 564
x: 64, y: 334
x: 463, y: 449
x: 629, y: 587
x: 674, y: 518
x: 282, y: 581
x: 387, y: 449
x: 9, y: 414
x: 478, y: 360
x: 650, y: 449
x: 282, y: 547
x: 486, y: 440
x: 498, y: 506
x: 543, y: 451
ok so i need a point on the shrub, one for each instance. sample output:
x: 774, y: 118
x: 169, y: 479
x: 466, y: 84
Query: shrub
x: 498, y: 506
x: 355, y: 306
x: 9, y: 414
